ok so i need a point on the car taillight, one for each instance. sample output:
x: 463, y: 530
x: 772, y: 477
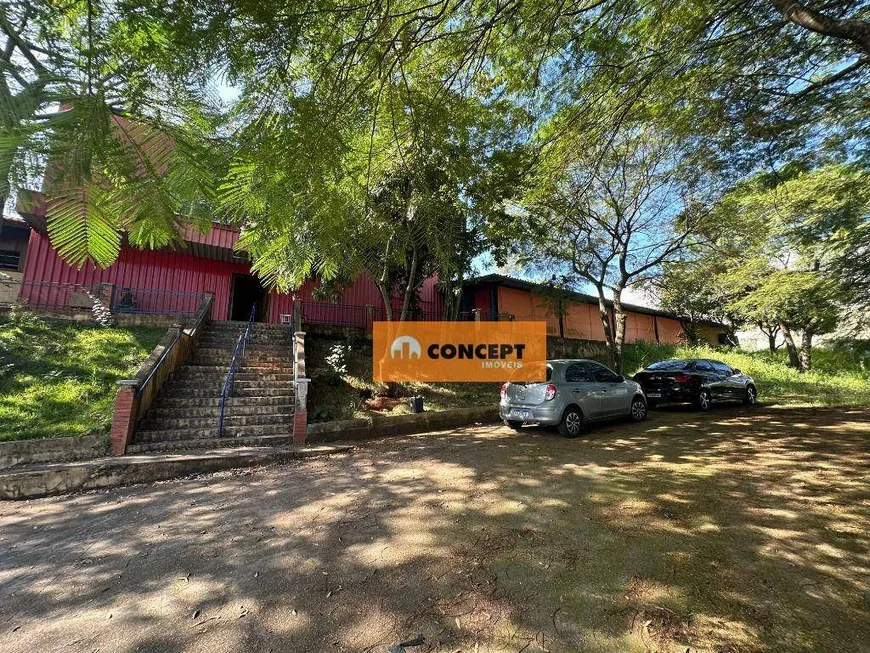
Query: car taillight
x: 504, y: 389
x: 550, y: 392
x: 682, y: 379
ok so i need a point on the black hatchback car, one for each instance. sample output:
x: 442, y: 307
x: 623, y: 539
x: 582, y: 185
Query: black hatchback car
x: 699, y: 381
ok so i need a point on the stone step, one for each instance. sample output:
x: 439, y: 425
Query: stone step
x: 171, y: 401
x: 251, y: 354
x: 186, y: 422
x: 164, y: 411
x: 230, y: 431
x: 215, y: 392
x: 221, y: 365
x: 244, y: 369
x: 192, y: 390
x: 215, y: 442
x: 213, y: 357
x: 246, y: 381
x: 279, y: 365
x: 239, y: 327
x: 230, y: 340
x: 219, y: 374
x: 186, y: 458
x: 270, y: 349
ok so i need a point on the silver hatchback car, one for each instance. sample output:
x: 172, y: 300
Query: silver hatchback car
x: 575, y: 392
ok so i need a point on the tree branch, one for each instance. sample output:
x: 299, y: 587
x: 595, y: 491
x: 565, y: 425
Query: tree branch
x: 847, y: 29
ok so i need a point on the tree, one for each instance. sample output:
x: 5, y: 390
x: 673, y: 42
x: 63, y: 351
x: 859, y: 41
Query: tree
x: 690, y: 287
x: 398, y: 198
x: 801, y: 299
x: 611, y: 216
x: 114, y: 120
x: 776, y: 242
x: 750, y: 82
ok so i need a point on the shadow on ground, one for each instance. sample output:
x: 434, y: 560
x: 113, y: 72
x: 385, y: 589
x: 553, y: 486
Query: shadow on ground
x: 728, y: 531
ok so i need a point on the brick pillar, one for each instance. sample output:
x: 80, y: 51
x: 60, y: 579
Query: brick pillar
x: 300, y: 417
x: 476, y: 312
x: 124, y: 419
x: 370, y: 319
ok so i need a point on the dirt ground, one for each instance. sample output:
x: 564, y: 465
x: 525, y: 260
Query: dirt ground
x: 729, y: 531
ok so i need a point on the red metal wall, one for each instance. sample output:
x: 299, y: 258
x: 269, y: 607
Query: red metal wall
x: 180, y: 272
x: 140, y: 269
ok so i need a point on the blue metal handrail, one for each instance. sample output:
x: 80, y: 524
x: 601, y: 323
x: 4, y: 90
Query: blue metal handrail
x: 238, y: 358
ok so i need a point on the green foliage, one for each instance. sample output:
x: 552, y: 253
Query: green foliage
x: 58, y: 380
x: 387, y: 137
x: 803, y: 299
x: 397, y: 193
x: 689, y: 288
x: 776, y: 250
x: 91, y: 95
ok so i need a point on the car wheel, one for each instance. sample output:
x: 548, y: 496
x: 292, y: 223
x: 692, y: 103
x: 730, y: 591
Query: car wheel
x: 703, y: 402
x: 638, y: 409
x: 751, y: 396
x: 514, y: 424
x: 572, y: 423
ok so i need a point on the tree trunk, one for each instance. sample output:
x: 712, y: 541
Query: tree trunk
x: 605, y: 322
x: 409, y: 286
x: 793, y: 359
x: 452, y: 297
x: 806, y: 350
x: 690, y: 332
x: 771, y: 342
x: 620, y: 319
x: 388, y: 304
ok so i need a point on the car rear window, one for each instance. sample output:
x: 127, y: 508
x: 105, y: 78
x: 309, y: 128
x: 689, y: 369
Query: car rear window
x: 669, y: 365
x: 549, y: 373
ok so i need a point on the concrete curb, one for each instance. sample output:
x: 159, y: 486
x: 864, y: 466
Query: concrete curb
x: 381, y: 427
x: 45, y: 480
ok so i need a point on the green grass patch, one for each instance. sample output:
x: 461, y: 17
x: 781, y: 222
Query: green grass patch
x: 58, y: 379
x: 341, y: 373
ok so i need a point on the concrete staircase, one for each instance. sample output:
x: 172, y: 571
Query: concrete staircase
x: 186, y: 413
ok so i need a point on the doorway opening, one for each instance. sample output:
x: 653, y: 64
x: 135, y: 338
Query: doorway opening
x: 247, y: 292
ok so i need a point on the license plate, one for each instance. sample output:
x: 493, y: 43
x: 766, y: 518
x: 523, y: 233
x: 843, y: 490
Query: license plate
x: 654, y: 395
x: 521, y: 414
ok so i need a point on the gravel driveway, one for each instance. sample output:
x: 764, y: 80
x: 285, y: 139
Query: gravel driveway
x: 730, y: 531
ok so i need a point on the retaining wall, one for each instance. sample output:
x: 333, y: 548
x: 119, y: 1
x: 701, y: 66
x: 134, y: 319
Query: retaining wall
x: 381, y: 427
x: 53, y: 449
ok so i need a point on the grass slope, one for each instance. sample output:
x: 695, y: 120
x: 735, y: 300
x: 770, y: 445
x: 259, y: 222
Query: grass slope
x: 341, y: 371
x: 58, y: 379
